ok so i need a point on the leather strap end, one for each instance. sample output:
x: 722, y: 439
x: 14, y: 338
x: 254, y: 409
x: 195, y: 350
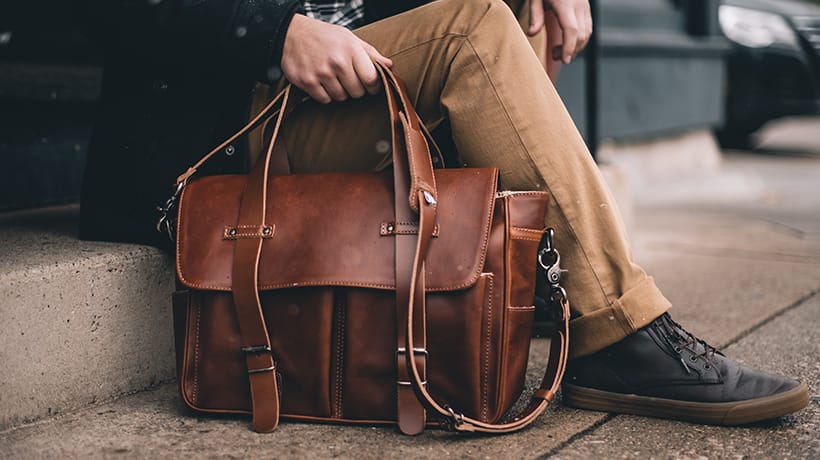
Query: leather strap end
x: 545, y: 394
x: 265, y: 400
x: 412, y: 416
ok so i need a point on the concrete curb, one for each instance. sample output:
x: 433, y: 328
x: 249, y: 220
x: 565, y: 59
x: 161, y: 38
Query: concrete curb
x: 83, y: 321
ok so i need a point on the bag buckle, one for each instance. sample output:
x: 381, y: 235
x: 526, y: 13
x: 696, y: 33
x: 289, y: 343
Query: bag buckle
x: 256, y: 350
x: 416, y: 351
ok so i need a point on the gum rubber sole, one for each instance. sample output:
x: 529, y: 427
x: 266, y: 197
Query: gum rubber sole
x: 728, y: 413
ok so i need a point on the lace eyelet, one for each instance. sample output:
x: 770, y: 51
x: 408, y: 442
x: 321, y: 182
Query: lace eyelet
x: 707, y: 367
x: 693, y: 358
x: 678, y: 349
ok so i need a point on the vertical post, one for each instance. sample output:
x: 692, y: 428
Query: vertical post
x: 701, y: 17
x: 593, y: 57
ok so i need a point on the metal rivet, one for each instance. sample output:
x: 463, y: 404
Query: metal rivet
x: 230, y: 150
x: 435, y: 160
x: 266, y: 230
x: 390, y: 228
x: 232, y: 232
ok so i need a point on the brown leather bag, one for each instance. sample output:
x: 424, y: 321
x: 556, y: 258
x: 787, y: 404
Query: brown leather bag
x: 360, y: 297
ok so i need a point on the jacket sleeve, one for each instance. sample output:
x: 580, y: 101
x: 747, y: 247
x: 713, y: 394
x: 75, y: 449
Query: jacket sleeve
x: 248, y: 33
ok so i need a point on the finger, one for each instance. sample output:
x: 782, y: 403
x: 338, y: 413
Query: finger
x: 584, y: 28
x: 316, y: 91
x: 365, y: 72
x: 536, y: 17
x: 375, y: 55
x: 569, y: 32
x: 334, y: 88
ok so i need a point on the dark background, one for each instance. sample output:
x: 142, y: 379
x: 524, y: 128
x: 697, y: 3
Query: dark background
x: 660, y: 70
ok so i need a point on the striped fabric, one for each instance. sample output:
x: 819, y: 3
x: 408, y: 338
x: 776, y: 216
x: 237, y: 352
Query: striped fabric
x: 348, y: 14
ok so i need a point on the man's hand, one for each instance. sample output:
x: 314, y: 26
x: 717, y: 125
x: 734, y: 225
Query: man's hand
x: 329, y: 62
x: 574, y: 19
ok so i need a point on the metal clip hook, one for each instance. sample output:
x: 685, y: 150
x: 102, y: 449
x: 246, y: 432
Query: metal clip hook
x: 550, y: 261
x: 166, y: 222
x: 454, y: 420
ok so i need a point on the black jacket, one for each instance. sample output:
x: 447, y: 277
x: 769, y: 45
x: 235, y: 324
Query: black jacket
x: 178, y: 79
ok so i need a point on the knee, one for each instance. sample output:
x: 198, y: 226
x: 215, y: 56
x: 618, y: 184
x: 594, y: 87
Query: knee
x: 496, y: 13
x: 497, y: 16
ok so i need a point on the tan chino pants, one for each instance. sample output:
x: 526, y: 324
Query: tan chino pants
x: 470, y: 62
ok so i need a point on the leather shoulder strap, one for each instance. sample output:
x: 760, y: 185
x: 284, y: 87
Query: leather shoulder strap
x: 541, y: 398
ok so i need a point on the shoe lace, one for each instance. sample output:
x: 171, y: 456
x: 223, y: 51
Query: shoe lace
x: 679, y: 338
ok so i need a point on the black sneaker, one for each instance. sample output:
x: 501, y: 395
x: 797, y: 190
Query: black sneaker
x: 664, y: 371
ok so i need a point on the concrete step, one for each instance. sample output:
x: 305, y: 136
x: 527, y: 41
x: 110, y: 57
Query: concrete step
x: 83, y: 322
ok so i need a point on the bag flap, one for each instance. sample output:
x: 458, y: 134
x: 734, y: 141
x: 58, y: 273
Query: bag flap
x: 334, y: 229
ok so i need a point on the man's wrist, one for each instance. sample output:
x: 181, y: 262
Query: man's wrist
x: 277, y: 43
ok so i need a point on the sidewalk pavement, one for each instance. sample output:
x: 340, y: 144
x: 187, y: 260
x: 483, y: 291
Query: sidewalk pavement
x: 741, y: 264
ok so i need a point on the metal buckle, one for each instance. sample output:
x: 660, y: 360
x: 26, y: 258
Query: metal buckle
x: 407, y: 383
x: 416, y: 351
x: 256, y: 349
x: 257, y: 371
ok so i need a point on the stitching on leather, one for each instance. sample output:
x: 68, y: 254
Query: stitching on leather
x: 421, y: 184
x: 195, y: 395
x: 486, y: 377
x: 248, y: 235
x: 258, y: 232
x: 525, y: 238
x: 527, y: 193
x: 339, y: 359
x: 521, y: 307
x: 385, y: 231
x: 286, y: 285
x: 527, y: 229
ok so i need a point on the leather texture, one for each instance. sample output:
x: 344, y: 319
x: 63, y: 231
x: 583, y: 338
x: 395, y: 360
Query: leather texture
x: 342, y: 321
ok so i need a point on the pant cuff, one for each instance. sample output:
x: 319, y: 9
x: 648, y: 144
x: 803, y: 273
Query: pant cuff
x: 635, y: 309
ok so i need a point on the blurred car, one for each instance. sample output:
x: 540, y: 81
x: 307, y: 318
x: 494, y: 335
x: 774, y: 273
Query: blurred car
x: 774, y: 66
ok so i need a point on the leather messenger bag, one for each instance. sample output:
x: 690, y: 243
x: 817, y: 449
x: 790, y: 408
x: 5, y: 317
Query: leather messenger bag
x: 401, y: 297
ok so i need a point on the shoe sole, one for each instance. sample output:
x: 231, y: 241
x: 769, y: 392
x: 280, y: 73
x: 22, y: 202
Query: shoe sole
x: 728, y: 413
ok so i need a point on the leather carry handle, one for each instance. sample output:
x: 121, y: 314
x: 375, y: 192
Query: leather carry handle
x: 414, y: 179
x: 263, y: 118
